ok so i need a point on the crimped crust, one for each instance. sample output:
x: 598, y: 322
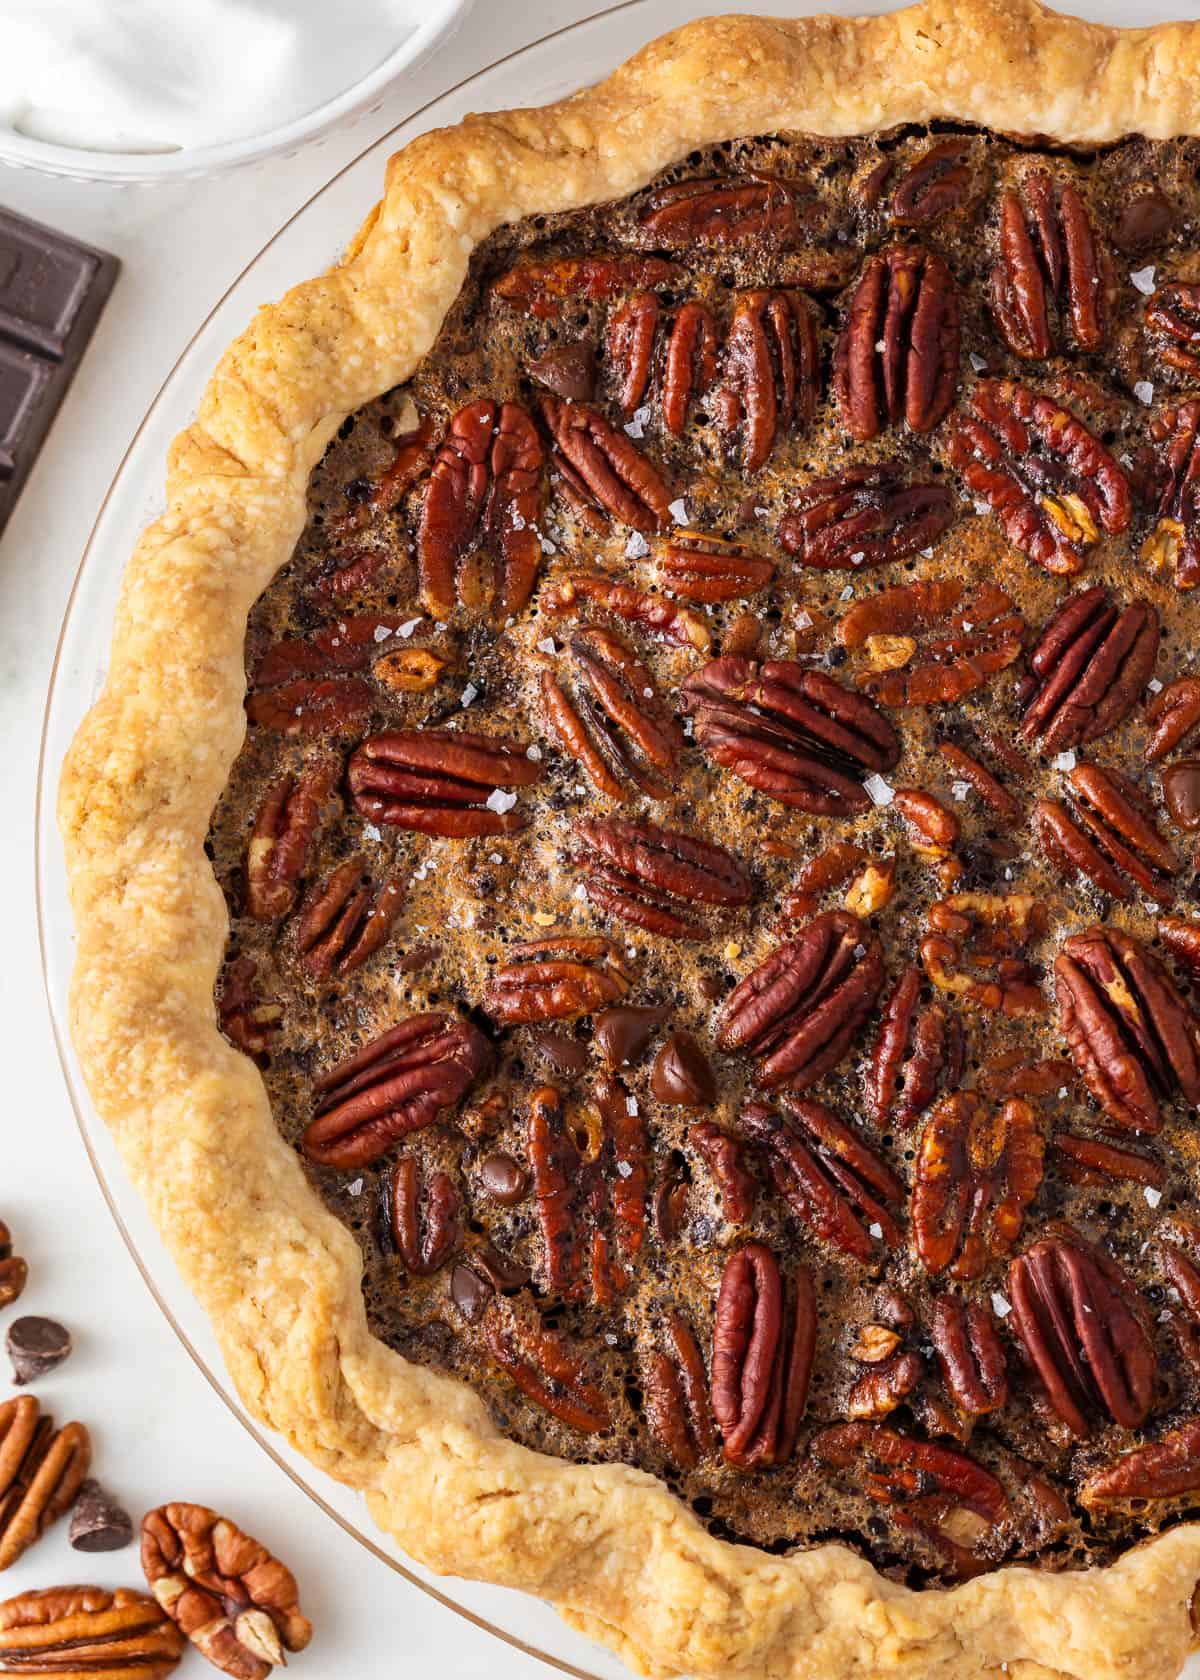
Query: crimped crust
x: 618, y: 1554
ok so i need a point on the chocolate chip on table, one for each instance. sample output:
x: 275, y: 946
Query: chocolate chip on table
x: 13, y: 1271
x: 565, y: 1054
x: 504, y: 1179
x: 98, y: 1522
x: 469, y: 1292
x: 682, y: 1074
x: 36, y: 1346
x: 623, y: 1034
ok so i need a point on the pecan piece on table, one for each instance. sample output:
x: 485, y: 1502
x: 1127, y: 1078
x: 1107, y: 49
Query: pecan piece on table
x: 282, y: 837
x: 41, y: 1470
x: 346, y: 918
x: 725, y: 1157
x: 771, y: 381
x: 1173, y: 715
x: 546, y: 1368
x: 1172, y: 317
x: 1134, y: 1039
x: 1175, y: 540
x: 440, y: 781
x: 920, y: 1052
x: 399, y: 1082
x: 1108, y: 834
x: 1050, y: 259
x: 864, y: 516
x: 721, y: 210
x: 932, y: 641
x: 1164, y: 1469
x: 975, y: 1175
x: 649, y: 876
x: 425, y: 1235
x: 619, y: 479
x: 797, y: 735
x: 247, y: 1019
x: 703, y: 568
x: 654, y: 614
x: 974, y: 947
x: 557, y: 978
x: 1086, y: 1160
x: 611, y: 719
x: 1052, y: 485
x: 897, y: 356
x: 547, y: 289
x: 1074, y: 1311
x: 234, y: 1601
x: 79, y: 1631
x: 14, y: 1272
x: 801, y: 1009
x: 970, y: 1354
x: 675, y: 1385
x: 1092, y: 663
x: 762, y: 1355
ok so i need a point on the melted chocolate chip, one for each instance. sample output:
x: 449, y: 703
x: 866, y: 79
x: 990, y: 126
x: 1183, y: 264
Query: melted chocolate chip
x: 1145, y: 221
x: 1181, y: 792
x: 569, y: 370
x: 682, y: 1074
x: 504, y: 1179
x: 565, y: 1055
x: 469, y: 1292
x: 623, y: 1034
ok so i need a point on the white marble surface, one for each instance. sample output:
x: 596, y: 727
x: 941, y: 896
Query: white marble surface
x: 160, y: 1431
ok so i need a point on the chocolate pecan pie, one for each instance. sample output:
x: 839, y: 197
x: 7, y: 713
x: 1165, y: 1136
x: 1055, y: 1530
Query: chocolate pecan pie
x: 699, y: 900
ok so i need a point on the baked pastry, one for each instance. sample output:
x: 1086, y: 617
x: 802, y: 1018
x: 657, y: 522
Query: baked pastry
x: 662, y: 1031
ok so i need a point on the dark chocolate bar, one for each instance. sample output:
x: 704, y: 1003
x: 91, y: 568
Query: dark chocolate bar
x: 52, y: 290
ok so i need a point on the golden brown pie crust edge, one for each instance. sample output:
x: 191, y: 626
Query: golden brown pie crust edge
x: 278, y: 1276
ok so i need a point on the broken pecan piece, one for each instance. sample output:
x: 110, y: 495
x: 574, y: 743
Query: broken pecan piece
x: 897, y: 357
x: 439, y: 781
x: 1163, y: 1469
x: 1092, y: 663
x: 14, y: 1272
x: 648, y: 875
x: 921, y: 1051
x: 557, y: 978
x: 974, y: 950
x: 282, y: 837
x: 345, y: 919
x: 41, y: 1470
x: 546, y: 289
x: 74, y: 1632
x: 721, y: 211
x: 546, y: 1368
x: 653, y: 613
x: 954, y: 641
x: 424, y: 1241
x: 970, y: 1353
x: 771, y: 381
x: 934, y: 184
x: 762, y: 1357
x: 233, y: 1600
x: 1182, y: 940
x: 797, y: 735
x: 704, y: 568
x: 676, y: 1388
x: 1074, y: 1312
x: 1175, y: 539
x: 725, y: 1157
x: 1050, y: 259
x: 399, y: 1082
x: 864, y: 516
x: 895, y: 1467
x: 621, y: 480
x: 249, y: 1020
x: 976, y: 1173
x: 878, y: 1392
x: 1173, y: 714
x: 1108, y: 834
x: 1052, y: 485
x: 1173, y: 323
x: 613, y: 721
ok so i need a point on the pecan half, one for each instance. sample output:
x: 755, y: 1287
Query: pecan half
x: 761, y: 1357
x: 14, y: 1272
x: 399, y: 1082
x: 629, y: 348
x: 332, y: 706
x: 1164, y: 1469
x: 976, y: 1172
x: 345, y: 918
x: 865, y: 516
x: 1073, y: 1310
x: 1175, y: 539
x: 801, y: 1009
x: 974, y: 950
x: 237, y: 1603
x: 721, y: 210
x: 796, y: 735
x: 897, y: 356
x: 990, y: 791
x: 78, y: 1631
x: 41, y: 1469
x: 557, y: 978
x: 1086, y: 1160
x: 349, y: 643
x: 611, y: 719
x: 1052, y: 485
x: 614, y: 472
x: 772, y: 376
x: 648, y: 875
x: 934, y: 184
x: 703, y: 568
x: 675, y: 1385
x: 648, y: 355
x: 281, y: 839
x: 1092, y: 663
x: 1050, y: 260
x: 424, y: 1238
x: 654, y: 614
x: 689, y: 366
x: 920, y: 1052
x: 1173, y: 323
x: 954, y: 640
x: 1134, y: 1039
x: 1108, y: 834
x: 247, y: 1018
x: 725, y: 1157
x: 828, y: 1176
x: 1173, y: 714
x: 547, y: 1369
x: 547, y: 289
x: 439, y: 781
x: 894, y: 1467
x: 1182, y: 940
x: 970, y: 1353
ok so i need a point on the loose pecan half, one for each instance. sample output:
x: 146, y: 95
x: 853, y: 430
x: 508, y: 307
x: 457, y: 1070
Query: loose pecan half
x: 1163, y: 1469
x: 439, y: 781
x: 721, y: 210
x: 1075, y: 1313
x: 897, y: 357
x: 1108, y: 834
x: 920, y: 1051
x: 557, y: 978
x: 14, y: 1272
x: 346, y: 918
x: 970, y: 1353
x: 547, y: 289
x: 797, y: 735
x: 282, y: 837
x: 725, y: 1157
x: 1175, y: 539
x: 654, y: 614
x: 976, y: 1172
x: 1092, y: 663
x: 932, y: 641
x: 247, y: 1018
x: 425, y: 1238
x: 801, y: 1009
x: 704, y: 568
x: 1086, y: 1160
x: 1173, y: 714
x: 611, y: 719
x: 648, y: 875
x: 675, y: 1385
x: 761, y: 1358
x: 619, y: 478
x: 74, y: 1632
x: 772, y: 375
x: 1133, y: 1037
x: 1050, y: 260
x: 864, y: 516
x: 1052, y: 485
x: 41, y: 1469
x: 1173, y: 323
x: 548, y: 1369
x: 237, y: 1603
x: 974, y: 950
x: 399, y: 1082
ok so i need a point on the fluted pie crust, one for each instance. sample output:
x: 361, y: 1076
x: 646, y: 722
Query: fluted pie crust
x: 619, y: 1555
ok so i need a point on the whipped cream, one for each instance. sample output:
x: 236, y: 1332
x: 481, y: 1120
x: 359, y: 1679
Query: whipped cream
x: 169, y: 75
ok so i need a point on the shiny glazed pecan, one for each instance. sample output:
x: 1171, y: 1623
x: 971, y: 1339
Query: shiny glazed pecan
x: 620, y: 480
x: 1108, y: 834
x: 864, y: 516
x: 970, y: 1353
x: 1164, y: 1469
x: 974, y: 950
x: 1086, y: 1160
x: 648, y: 876
x: 74, y: 1632
x: 935, y: 184
x: 349, y: 643
x: 439, y: 781
x: 557, y: 978
x: 675, y: 1385
x: 721, y: 211
x: 1075, y: 1312
x: 282, y: 837
x: 920, y: 1052
x: 761, y: 1357
x: 1051, y: 484
x: 801, y: 1009
x: 703, y: 568
x: 797, y: 735
x: 1053, y: 287
x: 725, y: 1157
x: 41, y: 1470
x: 980, y: 779
x: 1173, y: 715
x: 1174, y: 542
x: 548, y: 1369
x: 547, y: 289
x: 650, y: 356
x: 1182, y: 940
x: 354, y: 566
x: 346, y: 918
x: 878, y: 1392
x: 897, y: 357
x: 976, y: 1173
x: 1092, y: 663
x: 931, y: 642
x: 654, y: 614
x: 399, y: 1082
x: 1173, y: 326
x: 332, y: 706
x: 425, y: 1218
x: 610, y: 718
x: 772, y: 373
x: 689, y: 364
x: 933, y: 1480
x: 629, y: 346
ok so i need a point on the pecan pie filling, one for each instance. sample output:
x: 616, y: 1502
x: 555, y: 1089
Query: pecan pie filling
x: 711, y: 863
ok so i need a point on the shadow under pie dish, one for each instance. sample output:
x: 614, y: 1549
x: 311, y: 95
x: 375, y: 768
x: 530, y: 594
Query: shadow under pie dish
x: 636, y: 935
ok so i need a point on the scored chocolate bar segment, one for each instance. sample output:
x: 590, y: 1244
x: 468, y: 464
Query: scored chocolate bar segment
x: 52, y: 290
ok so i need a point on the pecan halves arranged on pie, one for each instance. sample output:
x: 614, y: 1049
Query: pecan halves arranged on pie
x: 865, y: 516
x: 795, y: 734
x: 425, y: 1217
x: 650, y: 876
x: 970, y: 1354
x: 764, y: 1334
x: 604, y: 710
x: 923, y: 1481
x: 75, y: 1632
x: 1079, y: 1321
x: 1134, y: 1039
x: 557, y: 978
x: 1107, y: 833
x: 1174, y: 543
x: 1050, y: 482
x: 977, y: 1170
x: 546, y: 289
x: 1092, y: 663
x: 613, y: 472
x: 722, y: 211
x: 41, y: 1470
x: 938, y: 182
x: 675, y: 1385
x: 655, y: 614
x: 710, y: 569
x: 920, y: 1052
x: 771, y: 377
x: 1173, y: 715
x: 403, y: 1080
x: 897, y: 356
x: 546, y: 1367
x: 1172, y: 315
x: 346, y: 918
x: 933, y: 641
x: 282, y: 837
x: 975, y: 950
x: 1161, y: 1470
x: 441, y: 781
x: 1053, y: 286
